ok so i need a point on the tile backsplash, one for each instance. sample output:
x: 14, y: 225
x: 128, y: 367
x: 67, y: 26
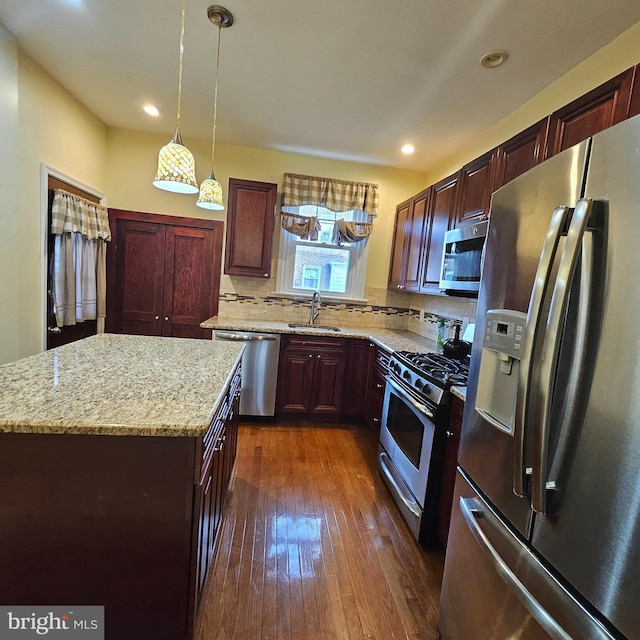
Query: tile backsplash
x: 254, y: 299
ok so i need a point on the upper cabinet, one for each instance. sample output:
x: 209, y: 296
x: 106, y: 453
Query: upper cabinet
x: 634, y: 102
x: 520, y: 153
x: 250, y: 224
x: 398, y: 266
x: 474, y: 189
x: 597, y: 110
x: 439, y: 220
x: 415, y: 243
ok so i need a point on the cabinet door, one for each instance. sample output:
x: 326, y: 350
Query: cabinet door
x: 294, y: 380
x: 359, y: 368
x: 521, y: 153
x: 474, y: 189
x: 135, y: 292
x: 634, y: 103
x: 379, y: 367
x: 327, y: 385
x: 597, y: 110
x: 449, y: 469
x: 415, y: 242
x: 250, y: 223
x: 191, y: 285
x: 440, y: 220
x: 397, y: 266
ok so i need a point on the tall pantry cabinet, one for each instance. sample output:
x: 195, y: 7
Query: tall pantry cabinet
x: 163, y: 274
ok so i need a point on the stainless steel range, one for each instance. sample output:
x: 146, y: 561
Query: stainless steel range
x: 413, y: 431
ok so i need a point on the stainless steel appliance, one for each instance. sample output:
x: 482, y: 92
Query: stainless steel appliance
x: 546, y: 518
x: 259, y: 370
x: 462, y: 259
x: 412, y: 434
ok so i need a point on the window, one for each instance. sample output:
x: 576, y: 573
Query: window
x: 307, y: 265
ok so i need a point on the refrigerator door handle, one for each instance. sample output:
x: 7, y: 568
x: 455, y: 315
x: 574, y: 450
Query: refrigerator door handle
x: 551, y: 347
x: 472, y: 511
x: 532, y: 332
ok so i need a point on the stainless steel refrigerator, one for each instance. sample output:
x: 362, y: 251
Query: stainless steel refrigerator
x: 545, y: 531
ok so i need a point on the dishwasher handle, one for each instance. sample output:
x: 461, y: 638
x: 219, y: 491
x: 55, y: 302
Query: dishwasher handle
x: 244, y: 337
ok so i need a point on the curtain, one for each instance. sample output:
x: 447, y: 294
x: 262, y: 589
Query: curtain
x: 78, y: 264
x: 336, y: 195
x: 302, y: 226
x: 346, y: 231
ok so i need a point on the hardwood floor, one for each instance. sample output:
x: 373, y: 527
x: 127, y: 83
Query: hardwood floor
x: 313, y: 547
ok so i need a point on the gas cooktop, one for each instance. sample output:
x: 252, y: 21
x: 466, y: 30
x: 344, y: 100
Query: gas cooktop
x: 434, y: 365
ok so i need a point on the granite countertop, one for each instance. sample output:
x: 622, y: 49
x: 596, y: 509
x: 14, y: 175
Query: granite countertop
x: 389, y: 339
x: 459, y: 392
x: 118, y: 385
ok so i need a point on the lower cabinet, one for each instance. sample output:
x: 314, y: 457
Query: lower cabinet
x: 375, y: 401
x: 449, y: 469
x: 217, y: 452
x: 311, y: 377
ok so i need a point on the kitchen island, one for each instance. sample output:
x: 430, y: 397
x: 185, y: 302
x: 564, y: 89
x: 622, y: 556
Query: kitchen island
x: 115, y: 456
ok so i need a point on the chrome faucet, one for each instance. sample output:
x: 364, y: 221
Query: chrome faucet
x: 315, y: 306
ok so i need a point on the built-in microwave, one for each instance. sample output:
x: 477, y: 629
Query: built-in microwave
x: 462, y: 259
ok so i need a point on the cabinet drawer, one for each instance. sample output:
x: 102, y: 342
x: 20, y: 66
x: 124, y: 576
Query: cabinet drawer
x: 313, y: 342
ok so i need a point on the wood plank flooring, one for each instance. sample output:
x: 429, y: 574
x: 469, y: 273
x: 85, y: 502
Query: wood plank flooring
x: 313, y: 547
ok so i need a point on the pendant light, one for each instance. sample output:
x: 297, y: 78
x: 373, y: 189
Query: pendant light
x: 211, y: 190
x: 176, y: 165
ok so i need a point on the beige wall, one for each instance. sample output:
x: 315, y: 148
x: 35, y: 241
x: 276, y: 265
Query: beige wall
x: 40, y: 122
x: 132, y: 166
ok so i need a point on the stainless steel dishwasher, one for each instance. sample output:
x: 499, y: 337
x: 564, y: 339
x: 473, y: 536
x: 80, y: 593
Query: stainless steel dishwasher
x: 259, y: 370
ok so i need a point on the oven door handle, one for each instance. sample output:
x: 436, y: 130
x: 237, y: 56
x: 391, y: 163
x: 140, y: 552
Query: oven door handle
x: 418, y: 406
x: 409, y: 502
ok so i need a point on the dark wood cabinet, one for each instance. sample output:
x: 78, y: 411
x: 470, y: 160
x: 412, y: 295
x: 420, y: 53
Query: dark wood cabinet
x: 439, y: 220
x: 311, y: 376
x: 593, y: 112
x: 521, y: 153
x: 163, y: 274
x: 358, y: 372
x: 414, y: 251
x: 475, y: 183
x: 397, y: 267
x: 379, y: 367
x: 449, y: 469
x: 216, y: 452
x: 250, y: 224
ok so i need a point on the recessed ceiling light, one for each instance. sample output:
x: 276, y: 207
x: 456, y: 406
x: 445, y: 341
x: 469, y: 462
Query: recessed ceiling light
x: 151, y: 110
x: 494, y: 59
x: 407, y: 149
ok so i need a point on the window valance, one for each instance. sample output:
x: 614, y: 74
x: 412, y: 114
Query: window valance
x: 336, y: 195
x: 302, y: 226
x: 73, y: 214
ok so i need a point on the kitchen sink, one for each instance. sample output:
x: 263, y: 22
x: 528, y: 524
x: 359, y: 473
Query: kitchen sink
x: 306, y: 325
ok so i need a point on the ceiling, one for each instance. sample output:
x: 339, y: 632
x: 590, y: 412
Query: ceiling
x: 350, y: 80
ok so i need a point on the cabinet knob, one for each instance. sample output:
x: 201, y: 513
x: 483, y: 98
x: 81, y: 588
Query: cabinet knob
x: 311, y: 355
x: 157, y: 318
x: 318, y: 356
x: 166, y: 318
x: 376, y: 419
x: 378, y: 385
x: 266, y: 275
x: 449, y: 434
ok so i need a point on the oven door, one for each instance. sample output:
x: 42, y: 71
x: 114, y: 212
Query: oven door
x: 407, y: 435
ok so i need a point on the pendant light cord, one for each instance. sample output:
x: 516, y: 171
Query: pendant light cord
x: 215, y: 100
x: 184, y: 2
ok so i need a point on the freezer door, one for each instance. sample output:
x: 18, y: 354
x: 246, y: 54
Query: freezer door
x: 521, y: 213
x: 495, y: 588
x: 591, y: 531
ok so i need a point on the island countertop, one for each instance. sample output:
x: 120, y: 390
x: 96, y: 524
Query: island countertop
x: 112, y: 384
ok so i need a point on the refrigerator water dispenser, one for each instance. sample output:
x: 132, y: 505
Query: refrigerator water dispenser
x: 500, y: 367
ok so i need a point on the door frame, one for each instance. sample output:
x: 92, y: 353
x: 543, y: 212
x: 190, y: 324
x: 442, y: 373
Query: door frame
x: 45, y: 172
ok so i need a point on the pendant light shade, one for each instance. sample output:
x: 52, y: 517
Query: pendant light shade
x: 211, y: 194
x: 176, y: 165
x: 210, y: 189
x: 176, y: 168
